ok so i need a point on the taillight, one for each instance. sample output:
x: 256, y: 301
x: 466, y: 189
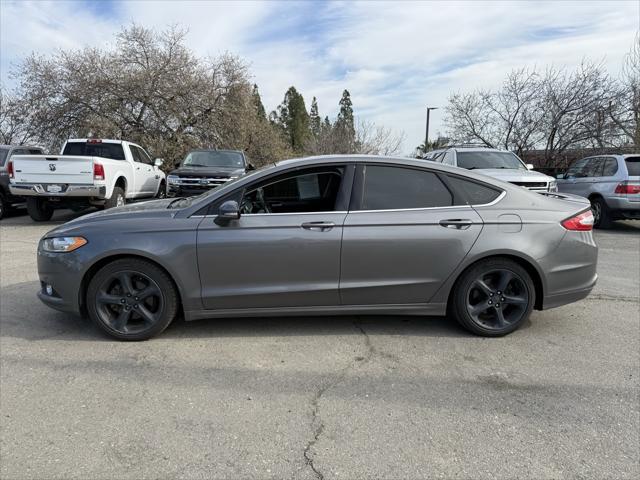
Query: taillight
x: 628, y: 188
x: 10, y: 168
x: 98, y: 171
x: 581, y: 222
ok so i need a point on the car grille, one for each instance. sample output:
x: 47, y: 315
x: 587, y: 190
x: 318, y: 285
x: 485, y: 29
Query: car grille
x: 201, y: 182
x: 542, y: 186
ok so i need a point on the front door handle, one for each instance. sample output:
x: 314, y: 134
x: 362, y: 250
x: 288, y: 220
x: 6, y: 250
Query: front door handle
x: 456, y: 223
x: 318, y: 226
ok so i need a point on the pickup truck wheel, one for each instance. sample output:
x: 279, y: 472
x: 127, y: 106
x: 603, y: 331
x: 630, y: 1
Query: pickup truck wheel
x: 116, y: 200
x: 39, y: 210
x: 4, y: 206
x: 162, y: 190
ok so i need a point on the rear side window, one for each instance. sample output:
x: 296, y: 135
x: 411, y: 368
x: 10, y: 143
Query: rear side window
x: 633, y: 166
x: 114, y: 151
x: 387, y: 188
x: 475, y: 193
x: 610, y: 167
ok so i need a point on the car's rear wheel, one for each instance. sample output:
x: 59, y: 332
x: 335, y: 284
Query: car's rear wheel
x: 39, y: 210
x: 132, y: 299
x: 117, y: 198
x: 493, y: 297
x: 601, y: 213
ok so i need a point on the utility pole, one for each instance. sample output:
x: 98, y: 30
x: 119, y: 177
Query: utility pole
x: 426, y: 135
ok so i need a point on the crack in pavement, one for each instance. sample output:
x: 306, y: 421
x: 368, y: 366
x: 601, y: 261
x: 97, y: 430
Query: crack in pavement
x: 316, y: 422
x: 612, y: 298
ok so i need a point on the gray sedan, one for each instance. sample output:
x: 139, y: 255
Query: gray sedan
x: 326, y: 236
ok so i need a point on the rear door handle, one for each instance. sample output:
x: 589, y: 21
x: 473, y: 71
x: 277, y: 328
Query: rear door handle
x: 456, y: 223
x: 318, y: 226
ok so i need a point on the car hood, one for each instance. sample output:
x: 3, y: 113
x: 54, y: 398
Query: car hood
x: 207, y: 171
x: 514, y: 175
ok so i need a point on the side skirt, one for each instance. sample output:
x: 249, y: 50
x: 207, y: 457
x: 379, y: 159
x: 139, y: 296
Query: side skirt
x: 426, y: 309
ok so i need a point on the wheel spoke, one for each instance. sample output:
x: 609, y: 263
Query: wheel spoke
x: 514, y: 300
x: 125, y: 282
x: 481, y: 285
x: 147, y: 316
x: 148, y: 291
x: 477, y: 309
x: 120, y: 323
x: 500, y: 317
x: 108, y: 299
x: 505, y: 278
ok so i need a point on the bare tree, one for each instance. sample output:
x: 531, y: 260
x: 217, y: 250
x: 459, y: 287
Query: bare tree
x: 16, y: 127
x: 372, y: 139
x: 625, y: 110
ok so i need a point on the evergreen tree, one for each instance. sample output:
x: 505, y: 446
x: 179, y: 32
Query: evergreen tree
x: 314, y: 118
x: 294, y: 119
x: 344, y: 127
x: 257, y: 102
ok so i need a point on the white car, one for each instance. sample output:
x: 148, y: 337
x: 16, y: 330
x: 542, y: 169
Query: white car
x: 103, y: 173
x: 500, y: 164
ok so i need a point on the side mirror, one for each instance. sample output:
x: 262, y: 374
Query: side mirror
x: 229, y: 210
x: 530, y: 166
x: 250, y: 167
x: 177, y: 163
x: 158, y: 162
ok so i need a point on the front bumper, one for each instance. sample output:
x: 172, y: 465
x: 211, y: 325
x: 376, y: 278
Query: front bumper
x: 62, y: 271
x: 67, y: 190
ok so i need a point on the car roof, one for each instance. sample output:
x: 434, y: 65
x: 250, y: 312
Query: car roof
x: 215, y: 150
x: 102, y: 140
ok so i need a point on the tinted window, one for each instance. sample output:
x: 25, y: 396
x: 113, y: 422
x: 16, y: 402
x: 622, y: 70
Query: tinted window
x: 114, y: 151
x: 593, y: 168
x: 475, y: 193
x: 633, y: 166
x: 473, y: 160
x: 396, y: 188
x: 302, y: 191
x: 139, y: 155
x: 610, y: 167
x: 576, y: 170
x: 3, y: 155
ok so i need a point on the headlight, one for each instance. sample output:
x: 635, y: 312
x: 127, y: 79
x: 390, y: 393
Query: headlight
x: 553, y: 186
x: 173, y: 178
x: 63, y: 244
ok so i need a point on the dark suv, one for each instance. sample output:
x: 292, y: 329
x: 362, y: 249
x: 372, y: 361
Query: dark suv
x: 203, y: 170
x: 7, y: 200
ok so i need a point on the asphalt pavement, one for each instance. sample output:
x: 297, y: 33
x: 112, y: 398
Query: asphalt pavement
x: 322, y: 398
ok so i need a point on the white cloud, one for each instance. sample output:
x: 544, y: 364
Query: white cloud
x: 395, y: 58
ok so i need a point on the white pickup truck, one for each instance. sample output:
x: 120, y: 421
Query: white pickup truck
x: 102, y: 173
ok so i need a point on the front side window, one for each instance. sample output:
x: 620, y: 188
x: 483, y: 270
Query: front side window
x: 593, y: 168
x: 139, y: 155
x: 576, y: 169
x: 302, y: 191
x: 386, y: 188
x: 481, y: 160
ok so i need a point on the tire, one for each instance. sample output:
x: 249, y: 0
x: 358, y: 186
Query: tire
x: 601, y: 214
x: 4, y: 206
x: 480, y: 309
x: 162, y: 190
x: 39, y: 210
x: 117, y: 198
x: 122, y: 309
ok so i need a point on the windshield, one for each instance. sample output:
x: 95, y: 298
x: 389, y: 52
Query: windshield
x: 472, y: 160
x: 185, y: 202
x: 3, y: 155
x: 214, y: 158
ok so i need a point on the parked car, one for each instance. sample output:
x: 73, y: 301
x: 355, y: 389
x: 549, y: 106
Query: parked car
x: 8, y: 201
x: 202, y: 170
x: 499, y: 164
x: 102, y: 173
x: 610, y: 182
x: 324, y: 236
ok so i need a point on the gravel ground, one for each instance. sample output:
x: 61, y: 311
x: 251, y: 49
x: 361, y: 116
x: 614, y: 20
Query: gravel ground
x: 315, y: 398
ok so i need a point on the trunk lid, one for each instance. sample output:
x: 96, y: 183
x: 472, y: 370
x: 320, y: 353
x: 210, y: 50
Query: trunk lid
x: 53, y: 169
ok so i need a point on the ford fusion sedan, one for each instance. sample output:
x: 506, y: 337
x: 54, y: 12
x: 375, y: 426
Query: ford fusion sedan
x: 326, y: 236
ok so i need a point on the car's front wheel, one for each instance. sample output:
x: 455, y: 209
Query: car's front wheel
x: 132, y: 299
x: 493, y: 297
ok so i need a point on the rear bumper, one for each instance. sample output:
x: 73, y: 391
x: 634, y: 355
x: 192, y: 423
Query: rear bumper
x: 623, y: 207
x: 68, y: 190
x: 564, y: 298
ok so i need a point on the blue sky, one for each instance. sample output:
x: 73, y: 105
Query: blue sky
x: 394, y: 57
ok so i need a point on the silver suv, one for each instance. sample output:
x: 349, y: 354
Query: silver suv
x: 500, y: 164
x: 610, y: 182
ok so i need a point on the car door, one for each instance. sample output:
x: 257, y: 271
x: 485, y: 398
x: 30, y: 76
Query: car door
x: 153, y: 178
x: 573, y: 180
x: 403, y: 236
x: 591, y: 174
x: 141, y: 172
x: 284, y: 250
